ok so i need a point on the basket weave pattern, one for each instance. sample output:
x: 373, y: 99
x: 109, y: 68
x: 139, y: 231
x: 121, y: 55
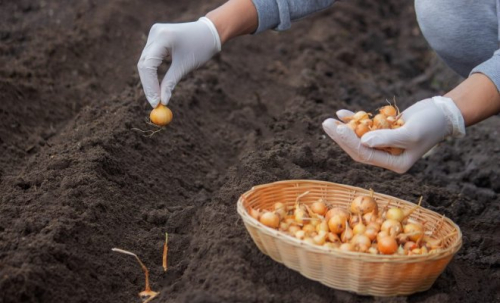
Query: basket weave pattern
x: 362, y: 273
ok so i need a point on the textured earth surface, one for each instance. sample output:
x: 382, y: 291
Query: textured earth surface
x: 77, y: 178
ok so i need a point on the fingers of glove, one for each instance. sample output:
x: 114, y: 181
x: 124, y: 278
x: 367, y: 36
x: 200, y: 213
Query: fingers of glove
x: 400, y: 137
x: 344, y: 113
x: 174, y: 74
x: 344, y: 137
x: 151, y: 58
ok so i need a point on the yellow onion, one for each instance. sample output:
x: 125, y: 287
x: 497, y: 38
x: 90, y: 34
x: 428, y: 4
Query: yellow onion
x: 161, y: 115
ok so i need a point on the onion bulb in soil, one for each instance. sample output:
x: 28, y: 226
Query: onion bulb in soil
x: 387, y: 245
x: 270, y: 219
x: 161, y: 115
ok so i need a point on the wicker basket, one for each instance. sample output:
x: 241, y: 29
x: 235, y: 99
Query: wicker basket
x: 362, y: 273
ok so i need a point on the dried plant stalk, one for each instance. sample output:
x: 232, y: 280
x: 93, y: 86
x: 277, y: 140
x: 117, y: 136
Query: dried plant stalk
x: 147, y: 289
x: 165, y: 252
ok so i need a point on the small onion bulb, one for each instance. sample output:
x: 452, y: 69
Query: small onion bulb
x: 270, y: 219
x: 161, y: 115
x: 387, y: 245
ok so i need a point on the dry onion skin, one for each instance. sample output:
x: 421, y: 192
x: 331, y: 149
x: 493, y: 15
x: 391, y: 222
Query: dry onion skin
x: 161, y: 115
x: 361, y: 227
x: 388, y: 117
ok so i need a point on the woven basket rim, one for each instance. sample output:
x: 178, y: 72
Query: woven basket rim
x: 450, y: 250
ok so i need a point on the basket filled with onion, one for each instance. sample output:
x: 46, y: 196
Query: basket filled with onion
x: 350, y: 238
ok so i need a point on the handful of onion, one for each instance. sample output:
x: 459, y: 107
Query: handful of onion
x: 388, y: 117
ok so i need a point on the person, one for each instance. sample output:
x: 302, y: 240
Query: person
x: 464, y: 33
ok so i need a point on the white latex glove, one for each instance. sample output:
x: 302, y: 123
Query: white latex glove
x: 427, y: 123
x: 189, y: 44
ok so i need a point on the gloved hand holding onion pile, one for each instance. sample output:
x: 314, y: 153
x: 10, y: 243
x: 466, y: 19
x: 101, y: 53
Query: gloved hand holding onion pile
x: 361, y: 228
x: 426, y: 123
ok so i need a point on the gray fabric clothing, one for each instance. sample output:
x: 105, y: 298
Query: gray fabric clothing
x: 464, y: 33
x: 279, y: 14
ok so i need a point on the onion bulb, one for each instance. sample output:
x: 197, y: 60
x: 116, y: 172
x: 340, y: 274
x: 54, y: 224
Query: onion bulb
x: 360, y: 115
x: 352, y: 125
x: 270, y: 219
x: 300, y: 234
x: 359, y: 228
x: 322, y: 226
x: 370, y: 217
x: 347, y: 234
x: 347, y: 247
x: 293, y: 229
x: 300, y: 215
x: 361, y: 129
x: 161, y: 115
x: 391, y: 226
x: 254, y: 213
x: 388, y: 110
x: 320, y: 239
x: 284, y: 226
x: 308, y: 228
x: 414, y: 230
x: 387, y: 245
x: 399, y: 214
x: 337, y: 211
x: 381, y: 235
x: 334, y: 238
x: 337, y: 224
x: 361, y: 242
x: 371, y: 233
x: 410, y: 245
x: 363, y: 204
x: 380, y: 122
x: 319, y: 207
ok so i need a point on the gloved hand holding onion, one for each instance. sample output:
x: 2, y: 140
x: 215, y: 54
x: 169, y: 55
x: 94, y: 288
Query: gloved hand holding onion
x: 361, y: 228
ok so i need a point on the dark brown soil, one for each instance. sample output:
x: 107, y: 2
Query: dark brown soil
x: 77, y: 180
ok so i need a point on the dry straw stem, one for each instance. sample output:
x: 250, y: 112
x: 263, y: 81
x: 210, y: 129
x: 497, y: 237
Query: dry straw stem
x: 147, y: 290
x: 165, y: 252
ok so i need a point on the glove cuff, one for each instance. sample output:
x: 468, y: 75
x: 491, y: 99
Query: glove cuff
x: 214, y: 31
x: 453, y: 116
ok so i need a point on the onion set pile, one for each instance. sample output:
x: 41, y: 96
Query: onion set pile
x: 388, y: 117
x: 363, y: 227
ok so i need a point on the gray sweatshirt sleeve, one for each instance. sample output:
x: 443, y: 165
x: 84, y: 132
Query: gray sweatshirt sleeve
x: 490, y: 68
x: 279, y: 14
